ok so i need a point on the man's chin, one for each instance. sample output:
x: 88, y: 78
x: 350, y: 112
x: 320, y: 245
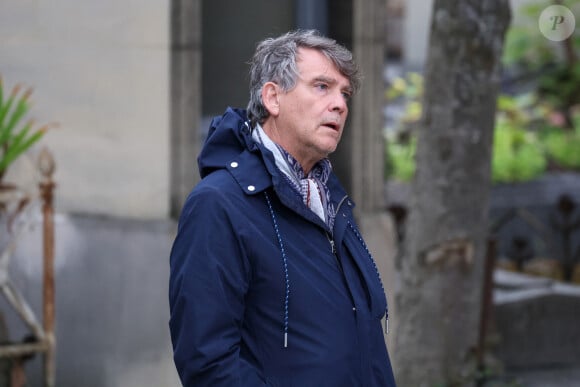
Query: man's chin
x: 330, y: 149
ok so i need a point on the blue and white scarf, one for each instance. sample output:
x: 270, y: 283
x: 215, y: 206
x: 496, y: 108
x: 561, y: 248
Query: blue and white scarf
x: 312, y: 187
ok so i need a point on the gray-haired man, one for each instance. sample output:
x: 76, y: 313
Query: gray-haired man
x: 271, y: 282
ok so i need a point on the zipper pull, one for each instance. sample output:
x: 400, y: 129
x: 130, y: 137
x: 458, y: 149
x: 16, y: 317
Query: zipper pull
x: 387, y: 322
x: 332, y: 246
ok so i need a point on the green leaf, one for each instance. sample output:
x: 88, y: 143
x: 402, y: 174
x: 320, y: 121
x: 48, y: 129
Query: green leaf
x: 562, y: 147
x: 1, y: 93
x: 19, y: 111
x: 19, y: 137
x: 15, y: 139
x: 5, y: 108
x: 517, y: 154
x: 401, y: 157
x: 15, y: 151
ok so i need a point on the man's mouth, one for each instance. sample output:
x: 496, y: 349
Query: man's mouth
x: 331, y: 125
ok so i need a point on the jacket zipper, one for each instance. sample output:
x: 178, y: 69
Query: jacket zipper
x: 332, y: 246
x: 331, y: 238
x: 334, y: 252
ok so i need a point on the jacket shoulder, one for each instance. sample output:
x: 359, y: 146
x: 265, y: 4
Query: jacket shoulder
x: 247, y: 169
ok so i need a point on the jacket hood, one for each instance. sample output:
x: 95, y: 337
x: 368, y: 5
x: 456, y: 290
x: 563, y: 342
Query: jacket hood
x: 228, y: 136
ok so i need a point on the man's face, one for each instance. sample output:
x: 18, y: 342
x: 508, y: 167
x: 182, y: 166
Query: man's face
x: 312, y: 115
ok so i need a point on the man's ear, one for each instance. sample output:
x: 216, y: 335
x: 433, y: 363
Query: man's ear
x: 270, y: 98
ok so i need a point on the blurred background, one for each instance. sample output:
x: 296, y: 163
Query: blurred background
x: 132, y: 86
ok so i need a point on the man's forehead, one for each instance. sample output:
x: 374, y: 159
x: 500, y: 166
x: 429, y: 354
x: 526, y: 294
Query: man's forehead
x: 312, y: 55
x: 314, y: 65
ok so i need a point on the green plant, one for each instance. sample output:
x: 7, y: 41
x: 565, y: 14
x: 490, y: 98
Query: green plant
x: 408, y: 90
x: 552, y: 67
x: 401, y: 158
x: 563, y: 147
x: 518, y: 153
x: 401, y: 140
x: 16, y: 137
x: 534, y: 130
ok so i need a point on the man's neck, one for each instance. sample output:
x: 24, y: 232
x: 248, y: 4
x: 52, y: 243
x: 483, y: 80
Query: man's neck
x: 276, y: 136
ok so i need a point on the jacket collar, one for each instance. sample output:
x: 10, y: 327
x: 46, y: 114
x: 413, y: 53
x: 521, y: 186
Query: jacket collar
x: 229, y: 145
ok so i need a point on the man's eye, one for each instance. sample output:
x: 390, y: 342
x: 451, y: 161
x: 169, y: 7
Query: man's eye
x: 346, y: 96
x: 321, y: 86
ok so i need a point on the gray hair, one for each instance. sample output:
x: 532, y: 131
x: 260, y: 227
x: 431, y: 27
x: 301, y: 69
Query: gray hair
x: 275, y: 61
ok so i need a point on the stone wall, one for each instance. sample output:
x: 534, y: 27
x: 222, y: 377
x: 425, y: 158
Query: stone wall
x: 536, y: 322
x: 111, y: 307
x: 99, y: 69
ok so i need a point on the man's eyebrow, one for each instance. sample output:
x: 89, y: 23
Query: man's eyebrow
x: 322, y: 78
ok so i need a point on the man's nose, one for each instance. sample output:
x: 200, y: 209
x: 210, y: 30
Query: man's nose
x: 339, y: 102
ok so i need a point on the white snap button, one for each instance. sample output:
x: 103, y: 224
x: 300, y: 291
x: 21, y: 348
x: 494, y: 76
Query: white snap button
x: 251, y: 188
x: 233, y: 164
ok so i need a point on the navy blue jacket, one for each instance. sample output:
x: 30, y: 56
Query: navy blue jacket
x: 261, y: 292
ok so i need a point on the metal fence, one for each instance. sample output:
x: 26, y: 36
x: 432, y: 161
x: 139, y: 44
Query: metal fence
x: 16, y: 212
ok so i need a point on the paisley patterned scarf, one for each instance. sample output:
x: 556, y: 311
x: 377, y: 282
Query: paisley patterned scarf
x: 312, y: 187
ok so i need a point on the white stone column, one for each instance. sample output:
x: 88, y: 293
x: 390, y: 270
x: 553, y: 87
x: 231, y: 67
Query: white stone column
x: 366, y: 141
x: 185, y: 98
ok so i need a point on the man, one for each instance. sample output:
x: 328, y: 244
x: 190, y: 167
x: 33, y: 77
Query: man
x: 271, y: 283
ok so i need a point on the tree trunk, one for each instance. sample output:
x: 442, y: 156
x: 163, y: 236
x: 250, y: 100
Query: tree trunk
x: 439, y: 299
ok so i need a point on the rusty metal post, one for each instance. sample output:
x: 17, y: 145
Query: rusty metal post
x: 47, y: 166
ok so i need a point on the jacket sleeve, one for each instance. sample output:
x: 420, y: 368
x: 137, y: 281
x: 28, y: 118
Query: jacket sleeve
x: 209, y: 277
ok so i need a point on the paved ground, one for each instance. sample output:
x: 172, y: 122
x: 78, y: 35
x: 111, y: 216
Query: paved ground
x: 559, y: 377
